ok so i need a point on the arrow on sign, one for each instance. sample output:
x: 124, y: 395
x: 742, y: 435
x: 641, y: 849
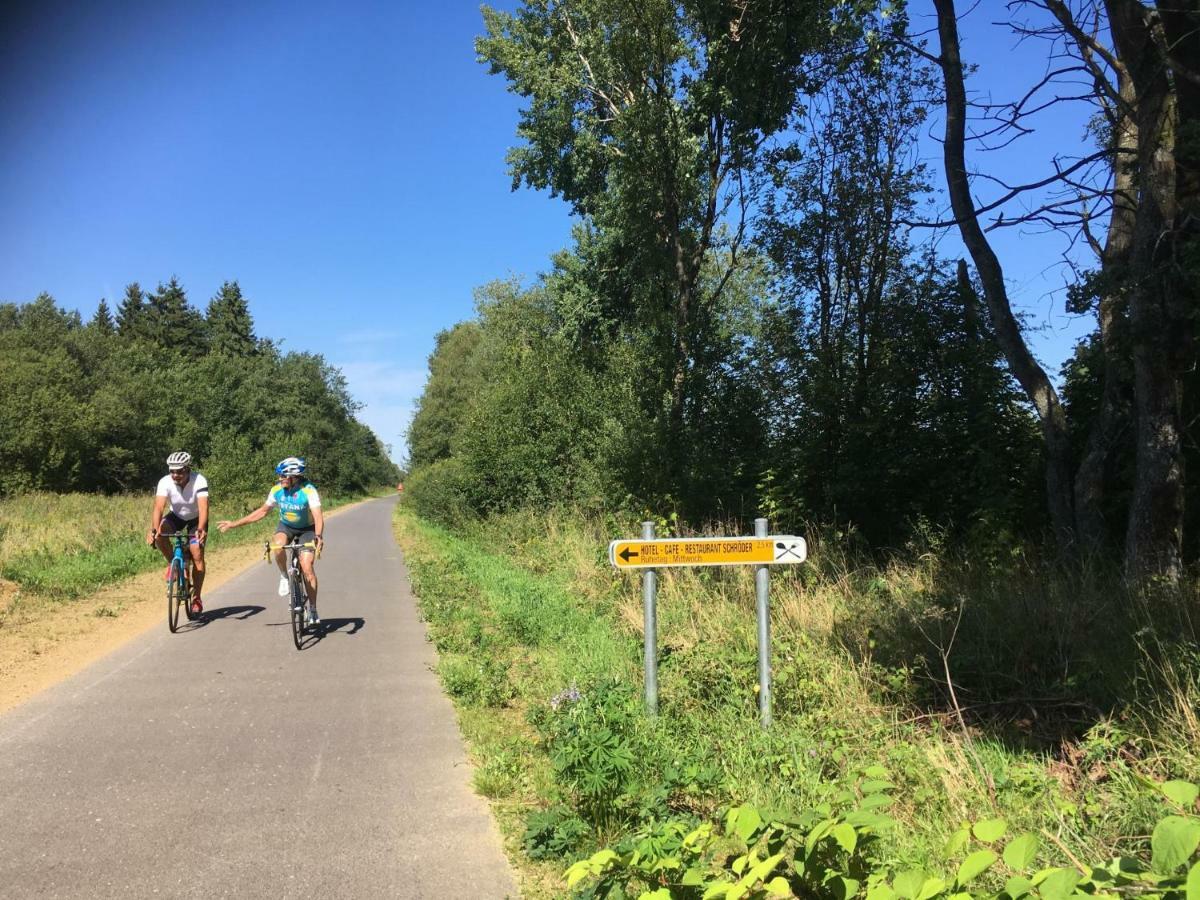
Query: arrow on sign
x: 626, y: 553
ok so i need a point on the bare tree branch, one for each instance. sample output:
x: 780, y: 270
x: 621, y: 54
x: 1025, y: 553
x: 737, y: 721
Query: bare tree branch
x: 1020, y: 189
x: 1089, y: 46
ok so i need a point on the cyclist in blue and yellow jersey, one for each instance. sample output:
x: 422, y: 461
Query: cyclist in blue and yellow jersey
x: 300, y: 519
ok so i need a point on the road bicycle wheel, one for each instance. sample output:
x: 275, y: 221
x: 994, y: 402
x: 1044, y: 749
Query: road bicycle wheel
x: 173, y: 598
x: 299, y: 602
x: 185, y: 590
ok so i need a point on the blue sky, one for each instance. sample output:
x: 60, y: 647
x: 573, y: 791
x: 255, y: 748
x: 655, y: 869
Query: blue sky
x: 343, y: 161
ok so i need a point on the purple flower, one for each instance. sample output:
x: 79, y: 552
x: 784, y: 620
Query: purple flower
x: 570, y: 695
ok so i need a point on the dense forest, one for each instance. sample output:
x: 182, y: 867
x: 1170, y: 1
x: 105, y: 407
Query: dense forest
x: 753, y: 318
x: 97, y: 406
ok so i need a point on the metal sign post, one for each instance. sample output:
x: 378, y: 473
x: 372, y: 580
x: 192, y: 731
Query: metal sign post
x: 762, y: 577
x: 650, y: 622
x: 761, y: 551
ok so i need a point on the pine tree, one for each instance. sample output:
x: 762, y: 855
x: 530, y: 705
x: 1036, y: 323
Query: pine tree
x: 131, y: 314
x: 171, y: 322
x: 102, y: 321
x: 230, y: 326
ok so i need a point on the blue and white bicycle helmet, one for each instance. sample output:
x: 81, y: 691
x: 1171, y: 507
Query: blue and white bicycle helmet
x: 293, y: 465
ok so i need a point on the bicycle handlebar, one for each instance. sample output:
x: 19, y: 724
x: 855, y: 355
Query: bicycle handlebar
x: 268, y: 547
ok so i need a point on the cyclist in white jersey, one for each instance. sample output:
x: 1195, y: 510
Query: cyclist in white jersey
x: 183, y: 494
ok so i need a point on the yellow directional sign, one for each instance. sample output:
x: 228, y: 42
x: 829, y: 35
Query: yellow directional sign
x: 723, y: 551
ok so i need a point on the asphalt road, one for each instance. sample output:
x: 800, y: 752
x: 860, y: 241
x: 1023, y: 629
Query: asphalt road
x: 222, y: 762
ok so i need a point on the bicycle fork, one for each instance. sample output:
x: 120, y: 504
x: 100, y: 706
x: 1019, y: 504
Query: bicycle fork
x: 299, y: 591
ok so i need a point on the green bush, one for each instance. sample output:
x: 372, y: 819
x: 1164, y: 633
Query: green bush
x: 235, y: 468
x: 591, y: 738
x: 829, y: 853
x: 439, y: 492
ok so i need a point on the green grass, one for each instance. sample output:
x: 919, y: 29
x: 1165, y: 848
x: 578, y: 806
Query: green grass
x: 1068, y: 692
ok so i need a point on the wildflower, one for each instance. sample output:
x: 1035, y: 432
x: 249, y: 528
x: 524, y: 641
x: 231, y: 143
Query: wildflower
x: 570, y: 695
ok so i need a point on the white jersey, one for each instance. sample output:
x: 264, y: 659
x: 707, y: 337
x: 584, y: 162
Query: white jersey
x: 183, y: 501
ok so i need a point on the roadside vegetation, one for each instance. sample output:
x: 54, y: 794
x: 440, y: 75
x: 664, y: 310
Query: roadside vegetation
x: 986, y: 679
x: 941, y: 726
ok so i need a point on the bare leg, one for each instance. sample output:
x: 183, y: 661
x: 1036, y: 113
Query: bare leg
x: 310, y: 575
x: 197, y: 568
x: 163, y: 543
x: 280, y: 557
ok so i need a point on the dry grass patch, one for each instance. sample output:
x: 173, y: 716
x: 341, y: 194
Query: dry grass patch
x: 8, y: 593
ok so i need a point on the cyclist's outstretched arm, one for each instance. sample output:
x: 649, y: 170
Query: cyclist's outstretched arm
x: 255, y: 516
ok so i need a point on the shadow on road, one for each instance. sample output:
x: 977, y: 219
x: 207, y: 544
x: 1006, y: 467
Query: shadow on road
x: 227, y: 612
x: 343, y: 626
x: 314, y: 634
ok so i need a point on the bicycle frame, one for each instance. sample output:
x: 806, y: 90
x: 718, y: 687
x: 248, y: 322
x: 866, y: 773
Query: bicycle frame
x: 178, y: 588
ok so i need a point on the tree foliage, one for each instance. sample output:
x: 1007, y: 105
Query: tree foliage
x: 645, y: 116
x: 824, y: 369
x: 97, y: 408
x: 744, y: 322
x: 230, y: 325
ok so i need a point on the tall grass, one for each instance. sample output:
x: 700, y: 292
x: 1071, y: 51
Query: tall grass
x: 1006, y: 689
x: 69, y: 543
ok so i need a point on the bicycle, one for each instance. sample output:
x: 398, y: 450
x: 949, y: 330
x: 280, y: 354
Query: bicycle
x: 298, y: 602
x: 179, y: 588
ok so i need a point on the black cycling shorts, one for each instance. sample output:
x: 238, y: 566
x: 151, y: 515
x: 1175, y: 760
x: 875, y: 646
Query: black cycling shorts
x: 171, y: 524
x: 297, y: 535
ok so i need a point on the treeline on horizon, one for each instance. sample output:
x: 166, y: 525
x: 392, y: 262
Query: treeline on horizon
x: 748, y: 324
x: 97, y: 406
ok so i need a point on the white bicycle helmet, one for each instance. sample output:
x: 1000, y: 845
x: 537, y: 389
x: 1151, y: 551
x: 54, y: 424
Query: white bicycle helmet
x: 181, y: 459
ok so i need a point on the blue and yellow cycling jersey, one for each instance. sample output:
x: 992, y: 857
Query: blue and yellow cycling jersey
x: 295, y: 506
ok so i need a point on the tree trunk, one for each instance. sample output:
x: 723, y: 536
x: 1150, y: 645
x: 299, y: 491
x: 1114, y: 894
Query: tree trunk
x: 1159, y: 307
x: 1109, y: 425
x: 1024, y: 367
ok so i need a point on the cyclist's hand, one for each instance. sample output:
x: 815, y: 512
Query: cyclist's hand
x: 151, y: 536
x: 201, y: 535
x: 224, y: 526
x: 320, y: 544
